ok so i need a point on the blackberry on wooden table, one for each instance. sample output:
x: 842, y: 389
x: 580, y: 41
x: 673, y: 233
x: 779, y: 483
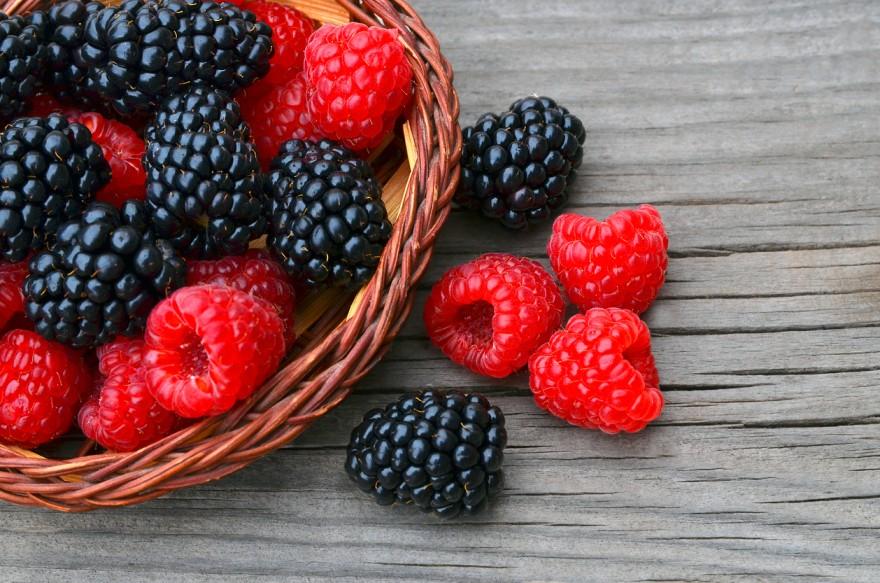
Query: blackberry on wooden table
x: 49, y: 170
x: 440, y: 451
x: 328, y: 221
x: 204, y: 186
x: 102, y: 277
x: 516, y: 167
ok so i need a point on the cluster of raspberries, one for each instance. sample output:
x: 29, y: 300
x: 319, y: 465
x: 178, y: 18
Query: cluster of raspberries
x: 500, y: 313
x: 151, y: 147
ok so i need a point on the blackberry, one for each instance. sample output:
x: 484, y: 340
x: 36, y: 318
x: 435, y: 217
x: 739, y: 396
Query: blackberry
x: 143, y: 51
x: 516, y: 167
x: 329, y: 223
x: 204, y: 187
x: 22, y: 58
x: 49, y: 170
x: 101, y: 278
x: 64, y: 30
x: 441, y: 451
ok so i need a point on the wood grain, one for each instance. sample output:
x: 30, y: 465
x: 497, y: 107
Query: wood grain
x: 753, y: 126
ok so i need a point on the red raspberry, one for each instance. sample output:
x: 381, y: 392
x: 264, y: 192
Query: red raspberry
x: 617, y: 263
x: 277, y: 116
x: 359, y: 83
x: 599, y: 372
x: 255, y: 273
x: 124, y: 149
x: 490, y: 314
x: 12, y: 277
x: 290, y: 34
x: 209, y: 347
x: 43, y: 385
x: 121, y: 414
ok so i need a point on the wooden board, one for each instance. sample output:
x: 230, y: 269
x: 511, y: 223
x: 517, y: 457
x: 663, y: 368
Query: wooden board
x: 753, y: 126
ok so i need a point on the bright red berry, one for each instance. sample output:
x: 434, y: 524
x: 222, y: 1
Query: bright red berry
x: 209, y: 347
x: 124, y: 149
x: 276, y: 116
x: 490, y: 314
x: 359, y: 83
x: 617, y: 263
x: 599, y: 372
x: 43, y: 385
x: 121, y: 414
x: 290, y: 34
x: 12, y: 277
x: 255, y: 273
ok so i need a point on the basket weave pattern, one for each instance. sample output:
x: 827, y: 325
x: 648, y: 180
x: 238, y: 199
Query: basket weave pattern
x: 340, y: 347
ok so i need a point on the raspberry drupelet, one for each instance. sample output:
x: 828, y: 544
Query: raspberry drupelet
x: 490, y: 314
x: 599, y: 372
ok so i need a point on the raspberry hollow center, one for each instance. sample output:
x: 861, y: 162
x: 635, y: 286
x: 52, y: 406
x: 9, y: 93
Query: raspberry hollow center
x: 194, y: 358
x: 475, y: 320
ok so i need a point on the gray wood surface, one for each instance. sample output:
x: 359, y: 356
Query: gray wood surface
x: 754, y: 126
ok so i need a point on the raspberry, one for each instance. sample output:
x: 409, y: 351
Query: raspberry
x: 209, y: 347
x: 359, y: 83
x: 618, y: 263
x: 44, y: 104
x: 12, y: 276
x: 43, y: 384
x: 121, y: 414
x: 123, y: 149
x: 290, y: 34
x: 599, y: 372
x: 490, y: 314
x: 279, y: 115
x: 255, y: 273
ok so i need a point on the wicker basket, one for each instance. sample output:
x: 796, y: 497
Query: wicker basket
x: 342, y: 336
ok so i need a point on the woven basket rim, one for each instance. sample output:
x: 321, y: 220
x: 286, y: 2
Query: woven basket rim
x: 322, y: 373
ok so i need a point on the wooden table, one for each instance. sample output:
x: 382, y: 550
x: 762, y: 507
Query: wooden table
x: 755, y: 127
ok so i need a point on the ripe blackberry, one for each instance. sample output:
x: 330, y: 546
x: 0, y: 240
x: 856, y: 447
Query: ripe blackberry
x: 64, y: 30
x: 143, y: 51
x: 329, y: 223
x: 516, y: 166
x: 49, y: 170
x: 22, y: 58
x: 204, y: 187
x: 440, y: 451
x: 101, y: 278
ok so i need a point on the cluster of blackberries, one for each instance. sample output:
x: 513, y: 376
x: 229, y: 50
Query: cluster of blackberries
x: 440, y: 451
x: 516, y: 167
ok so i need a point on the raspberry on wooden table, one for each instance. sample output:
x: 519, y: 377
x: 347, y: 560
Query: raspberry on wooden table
x: 616, y: 263
x: 359, y: 83
x: 255, y: 273
x: 490, y: 314
x: 209, y: 347
x: 12, y: 276
x: 43, y: 385
x: 599, y: 372
x: 121, y: 414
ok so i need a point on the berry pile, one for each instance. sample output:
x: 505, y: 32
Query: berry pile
x: 146, y: 148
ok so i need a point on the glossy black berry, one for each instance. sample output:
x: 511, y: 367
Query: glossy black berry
x: 143, y: 51
x: 516, y: 167
x: 204, y: 187
x: 328, y: 222
x: 22, y: 59
x: 447, y: 471
x: 101, y: 278
x: 49, y: 170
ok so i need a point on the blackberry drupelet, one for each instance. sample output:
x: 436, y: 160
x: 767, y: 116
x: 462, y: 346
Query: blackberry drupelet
x: 102, y: 277
x: 22, y: 58
x: 516, y: 167
x: 143, y: 51
x: 329, y: 223
x: 204, y: 187
x: 441, y: 451
x: 64, y: 29
x: 49, y: 170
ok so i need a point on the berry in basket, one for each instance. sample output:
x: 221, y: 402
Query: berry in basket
x: 439, y: 451
x: 23, y: 56
x: 516, y: 166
